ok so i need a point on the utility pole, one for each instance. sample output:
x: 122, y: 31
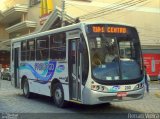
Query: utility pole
x: 62, y: 13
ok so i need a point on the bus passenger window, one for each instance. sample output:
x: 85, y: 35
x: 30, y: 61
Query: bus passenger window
x: 42, y: 48
x: 31, y: 50
x: 58, y: 46
x: 23, y: 50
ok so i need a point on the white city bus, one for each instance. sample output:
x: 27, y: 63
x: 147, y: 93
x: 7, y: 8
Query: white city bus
x: 86, y: 63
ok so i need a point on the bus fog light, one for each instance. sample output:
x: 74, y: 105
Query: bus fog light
x: 98, y: 87
x: 95, y: 87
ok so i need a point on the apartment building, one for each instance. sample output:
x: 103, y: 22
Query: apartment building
x: 22, y: 17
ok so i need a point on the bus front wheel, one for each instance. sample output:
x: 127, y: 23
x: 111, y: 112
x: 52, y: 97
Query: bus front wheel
x: 26, y: 92
x: 58, y: 96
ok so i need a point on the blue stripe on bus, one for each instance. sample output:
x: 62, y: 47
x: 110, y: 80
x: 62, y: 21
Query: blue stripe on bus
x: 41, y: 79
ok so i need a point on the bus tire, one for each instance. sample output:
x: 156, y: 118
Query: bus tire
x: 58, y: 96
x: 26, y: 92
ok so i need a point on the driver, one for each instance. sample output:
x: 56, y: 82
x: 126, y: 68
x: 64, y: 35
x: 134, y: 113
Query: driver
x: 96, y: 60
x: 110, y: 54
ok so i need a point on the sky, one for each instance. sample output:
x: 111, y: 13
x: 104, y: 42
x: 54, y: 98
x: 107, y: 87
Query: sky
x: 2, y: 6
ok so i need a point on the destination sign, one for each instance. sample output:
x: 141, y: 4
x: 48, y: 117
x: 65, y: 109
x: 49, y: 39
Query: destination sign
x: 109, y: 29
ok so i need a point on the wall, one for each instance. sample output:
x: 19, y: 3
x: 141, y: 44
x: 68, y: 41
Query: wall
x: 145, y: 17
x: 34, y: 15
x: 6, y: 4
x: 3, y: 33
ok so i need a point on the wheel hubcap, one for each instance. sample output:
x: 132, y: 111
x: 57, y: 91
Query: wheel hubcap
x: 58, y: 95
x: 25, y: 88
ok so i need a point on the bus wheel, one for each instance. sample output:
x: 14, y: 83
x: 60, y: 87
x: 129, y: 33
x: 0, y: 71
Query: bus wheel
x: 26, y: 92
x: 59, y: 96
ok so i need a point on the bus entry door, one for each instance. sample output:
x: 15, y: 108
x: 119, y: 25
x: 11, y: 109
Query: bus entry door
x: 15, y: 55
x: 74, y: 70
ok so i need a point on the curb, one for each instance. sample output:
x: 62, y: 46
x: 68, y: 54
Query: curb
x: 157, y: 94
x: 154, y: 82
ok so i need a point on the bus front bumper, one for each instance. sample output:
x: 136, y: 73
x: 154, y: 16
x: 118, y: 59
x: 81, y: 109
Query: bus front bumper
x: 91, y: 97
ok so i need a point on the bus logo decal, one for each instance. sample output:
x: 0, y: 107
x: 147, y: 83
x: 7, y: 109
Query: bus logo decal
x: 60, y: 68
x: 41, y: 78
x: 114, y: 89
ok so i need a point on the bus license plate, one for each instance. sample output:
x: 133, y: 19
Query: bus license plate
x: 121, y: 94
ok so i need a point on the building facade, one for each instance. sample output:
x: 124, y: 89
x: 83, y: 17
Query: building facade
x: 21, y: 17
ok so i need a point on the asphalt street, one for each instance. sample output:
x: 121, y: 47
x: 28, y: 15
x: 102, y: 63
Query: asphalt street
x: 13, y: 105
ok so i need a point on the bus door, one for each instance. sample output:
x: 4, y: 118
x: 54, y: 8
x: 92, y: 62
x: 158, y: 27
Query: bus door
x: 16, y: 50
x: 74, y: 70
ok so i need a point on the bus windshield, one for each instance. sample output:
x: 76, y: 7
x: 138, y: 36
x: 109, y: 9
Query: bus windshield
x: 115, y: 57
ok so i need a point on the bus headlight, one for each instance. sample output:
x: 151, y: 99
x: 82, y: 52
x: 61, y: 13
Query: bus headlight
x: 98, y: 88
x: 139, y: 86
x: 94, y: 87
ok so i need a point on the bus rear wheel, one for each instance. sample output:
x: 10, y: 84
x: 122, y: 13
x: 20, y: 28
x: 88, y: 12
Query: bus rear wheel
x: 26, y: 92
x: 58, y: 96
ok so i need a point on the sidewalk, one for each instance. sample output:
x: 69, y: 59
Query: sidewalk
x: 155, y: 86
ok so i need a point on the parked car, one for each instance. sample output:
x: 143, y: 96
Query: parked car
x: 6, y: 74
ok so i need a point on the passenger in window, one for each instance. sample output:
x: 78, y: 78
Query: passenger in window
x: 110, y: 54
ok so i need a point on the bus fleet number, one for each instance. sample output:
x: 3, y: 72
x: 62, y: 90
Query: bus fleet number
x: 127, y: 87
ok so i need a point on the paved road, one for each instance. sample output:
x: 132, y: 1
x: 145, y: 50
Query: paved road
x: 12, y: 101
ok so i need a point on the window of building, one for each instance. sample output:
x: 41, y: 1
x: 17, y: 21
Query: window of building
x: 34, y: 2
x: 42, y: 48
x: 58, y: 46
x: 31, y: 49
x: 23, y: 50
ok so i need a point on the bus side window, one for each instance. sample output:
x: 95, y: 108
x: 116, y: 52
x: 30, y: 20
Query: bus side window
x: 31, y: 50
x: 42, y: 48
x: 23, y: 50
x: 58, y: 46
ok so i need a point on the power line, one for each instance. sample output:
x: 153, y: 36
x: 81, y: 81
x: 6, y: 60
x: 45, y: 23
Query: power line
x: 68, y: 4
x: 129, y: 11
x: 113, y: 6
x: 115, y: 9
x: 102, y: 8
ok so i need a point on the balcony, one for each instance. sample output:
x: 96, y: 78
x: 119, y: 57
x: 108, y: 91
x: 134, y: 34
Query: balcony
x: 21, y: 26
x: 12, y: 14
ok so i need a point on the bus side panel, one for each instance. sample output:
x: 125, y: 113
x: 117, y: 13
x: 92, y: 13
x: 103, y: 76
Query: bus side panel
x: 61, y: 73
x: 41, y: 73
x: 39, y: 88
x: 28, y: 69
